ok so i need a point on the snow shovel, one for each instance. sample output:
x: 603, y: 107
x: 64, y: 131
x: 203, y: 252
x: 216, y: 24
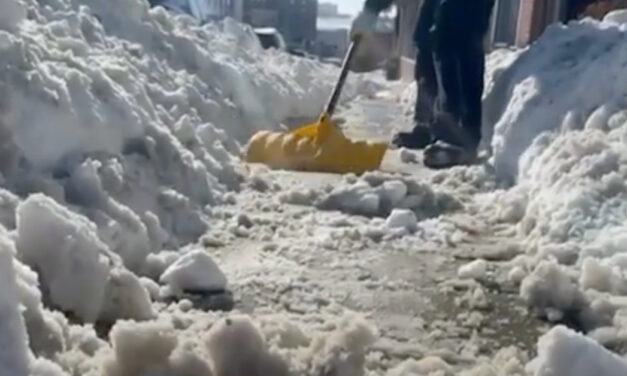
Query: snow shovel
x: 320, y: 146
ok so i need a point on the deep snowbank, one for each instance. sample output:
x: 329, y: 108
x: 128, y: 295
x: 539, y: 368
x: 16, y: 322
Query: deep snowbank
x: 560, y: 134
x: 572, y: 77
x: 120, y: 128
x: 115, y: 106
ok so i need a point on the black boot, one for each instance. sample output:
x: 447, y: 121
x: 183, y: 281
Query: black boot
x: 419, y: 138
x: 442, y: 155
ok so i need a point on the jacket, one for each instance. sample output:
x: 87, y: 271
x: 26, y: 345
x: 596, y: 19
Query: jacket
x: 466, y: 18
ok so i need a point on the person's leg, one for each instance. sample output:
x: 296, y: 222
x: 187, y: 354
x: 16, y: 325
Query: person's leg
x: 426, y: 82
x: 425, y: 70
x: 427, y: 88
x: 458, y: 124
x: 449, y: 108
x: 472, y: 72
x: 420, y: 136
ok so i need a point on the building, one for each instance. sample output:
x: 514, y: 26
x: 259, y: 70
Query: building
x: 504, y: 22
x: 220, y: 9
x: 298, y: 22
x: 261, y: 13
x: 295, y: 19
x: 328, y: 10
x: 202, y: 10
x: 332, y: 36
x: 332, y: 41
x: 520, y: 22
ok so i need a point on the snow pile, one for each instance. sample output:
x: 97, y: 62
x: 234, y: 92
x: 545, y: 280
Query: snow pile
x: 77, y: 271
x: 618, y: 16
x: 13, y: 12
x: 135, y: 116
x: 152, y: 348
x: 30, y: 334
x: 201, y: 344
x: 564, y: 352
x: 561, y: 127
x: 14, y: 353
x: 377, y: 194
x: 120, y: 127
x: 548, y: 87
x: 238, y: 348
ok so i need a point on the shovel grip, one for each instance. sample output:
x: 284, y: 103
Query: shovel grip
x: 337, y: 91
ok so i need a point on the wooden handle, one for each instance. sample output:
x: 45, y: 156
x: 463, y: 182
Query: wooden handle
x: 337, y: 91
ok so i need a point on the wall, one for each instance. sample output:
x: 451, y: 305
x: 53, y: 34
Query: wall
x: 298, y: 20
x: 332, y: 43
x: 261, y: 13
x: 536, y: 15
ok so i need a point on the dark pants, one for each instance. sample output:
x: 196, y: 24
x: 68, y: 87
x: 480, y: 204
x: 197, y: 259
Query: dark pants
x: 450, y: 72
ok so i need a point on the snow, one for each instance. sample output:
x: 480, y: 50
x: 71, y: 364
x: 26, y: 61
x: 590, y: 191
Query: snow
x: 121, y: 130
x: 550, y: 289
x: 76, y: 269
x: 63, y: 247
x: 195, y: 271
x: 559, y: 114
x: 402, y: 218
x: 238, y: 348
x: 516, y: 275
x: 473, y: 270
x: 140, y: 348
x: 378, y: 194
x: 12, y: 13
x: 14, y: 353
x: 394, y: 191
x: 425, y: 366
x: 408, y: 156
x: 527, y: 98
x: 617, y: 16
x: 564, y: 352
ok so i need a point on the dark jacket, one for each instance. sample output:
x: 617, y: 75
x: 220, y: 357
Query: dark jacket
x: 448, y: 18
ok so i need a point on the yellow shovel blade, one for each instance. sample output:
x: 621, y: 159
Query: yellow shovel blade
x: 319, y: 146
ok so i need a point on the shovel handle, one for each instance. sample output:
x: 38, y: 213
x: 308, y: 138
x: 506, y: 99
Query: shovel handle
x: 337, y: 91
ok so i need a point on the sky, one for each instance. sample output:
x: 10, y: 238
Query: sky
x: 348, y: 6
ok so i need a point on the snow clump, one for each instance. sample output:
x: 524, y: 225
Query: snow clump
x: 195, y: 271
x: 377, y: 195
x: 564, y: 352
x: 474, y: 270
